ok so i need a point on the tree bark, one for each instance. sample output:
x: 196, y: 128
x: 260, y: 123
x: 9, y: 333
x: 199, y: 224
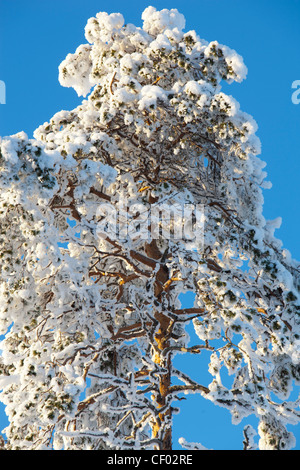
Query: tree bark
x: 162, y: 428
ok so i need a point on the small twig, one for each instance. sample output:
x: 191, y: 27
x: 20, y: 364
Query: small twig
x: 111, y: 83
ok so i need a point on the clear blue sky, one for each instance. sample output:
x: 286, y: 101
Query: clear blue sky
x: 36, y: 35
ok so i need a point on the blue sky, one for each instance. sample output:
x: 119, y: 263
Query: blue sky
x: 35, y: 36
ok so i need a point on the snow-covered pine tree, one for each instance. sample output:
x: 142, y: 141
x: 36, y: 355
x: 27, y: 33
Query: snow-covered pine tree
x: 90, y: 285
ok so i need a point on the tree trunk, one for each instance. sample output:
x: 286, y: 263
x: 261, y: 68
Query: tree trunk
x: 162, y: 428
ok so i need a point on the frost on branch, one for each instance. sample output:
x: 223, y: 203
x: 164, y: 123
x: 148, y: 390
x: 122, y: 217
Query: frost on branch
x: 191, y: 445
x: 91, y: 272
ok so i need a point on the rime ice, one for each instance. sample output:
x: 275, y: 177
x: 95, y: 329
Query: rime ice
x: 92, y: 323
